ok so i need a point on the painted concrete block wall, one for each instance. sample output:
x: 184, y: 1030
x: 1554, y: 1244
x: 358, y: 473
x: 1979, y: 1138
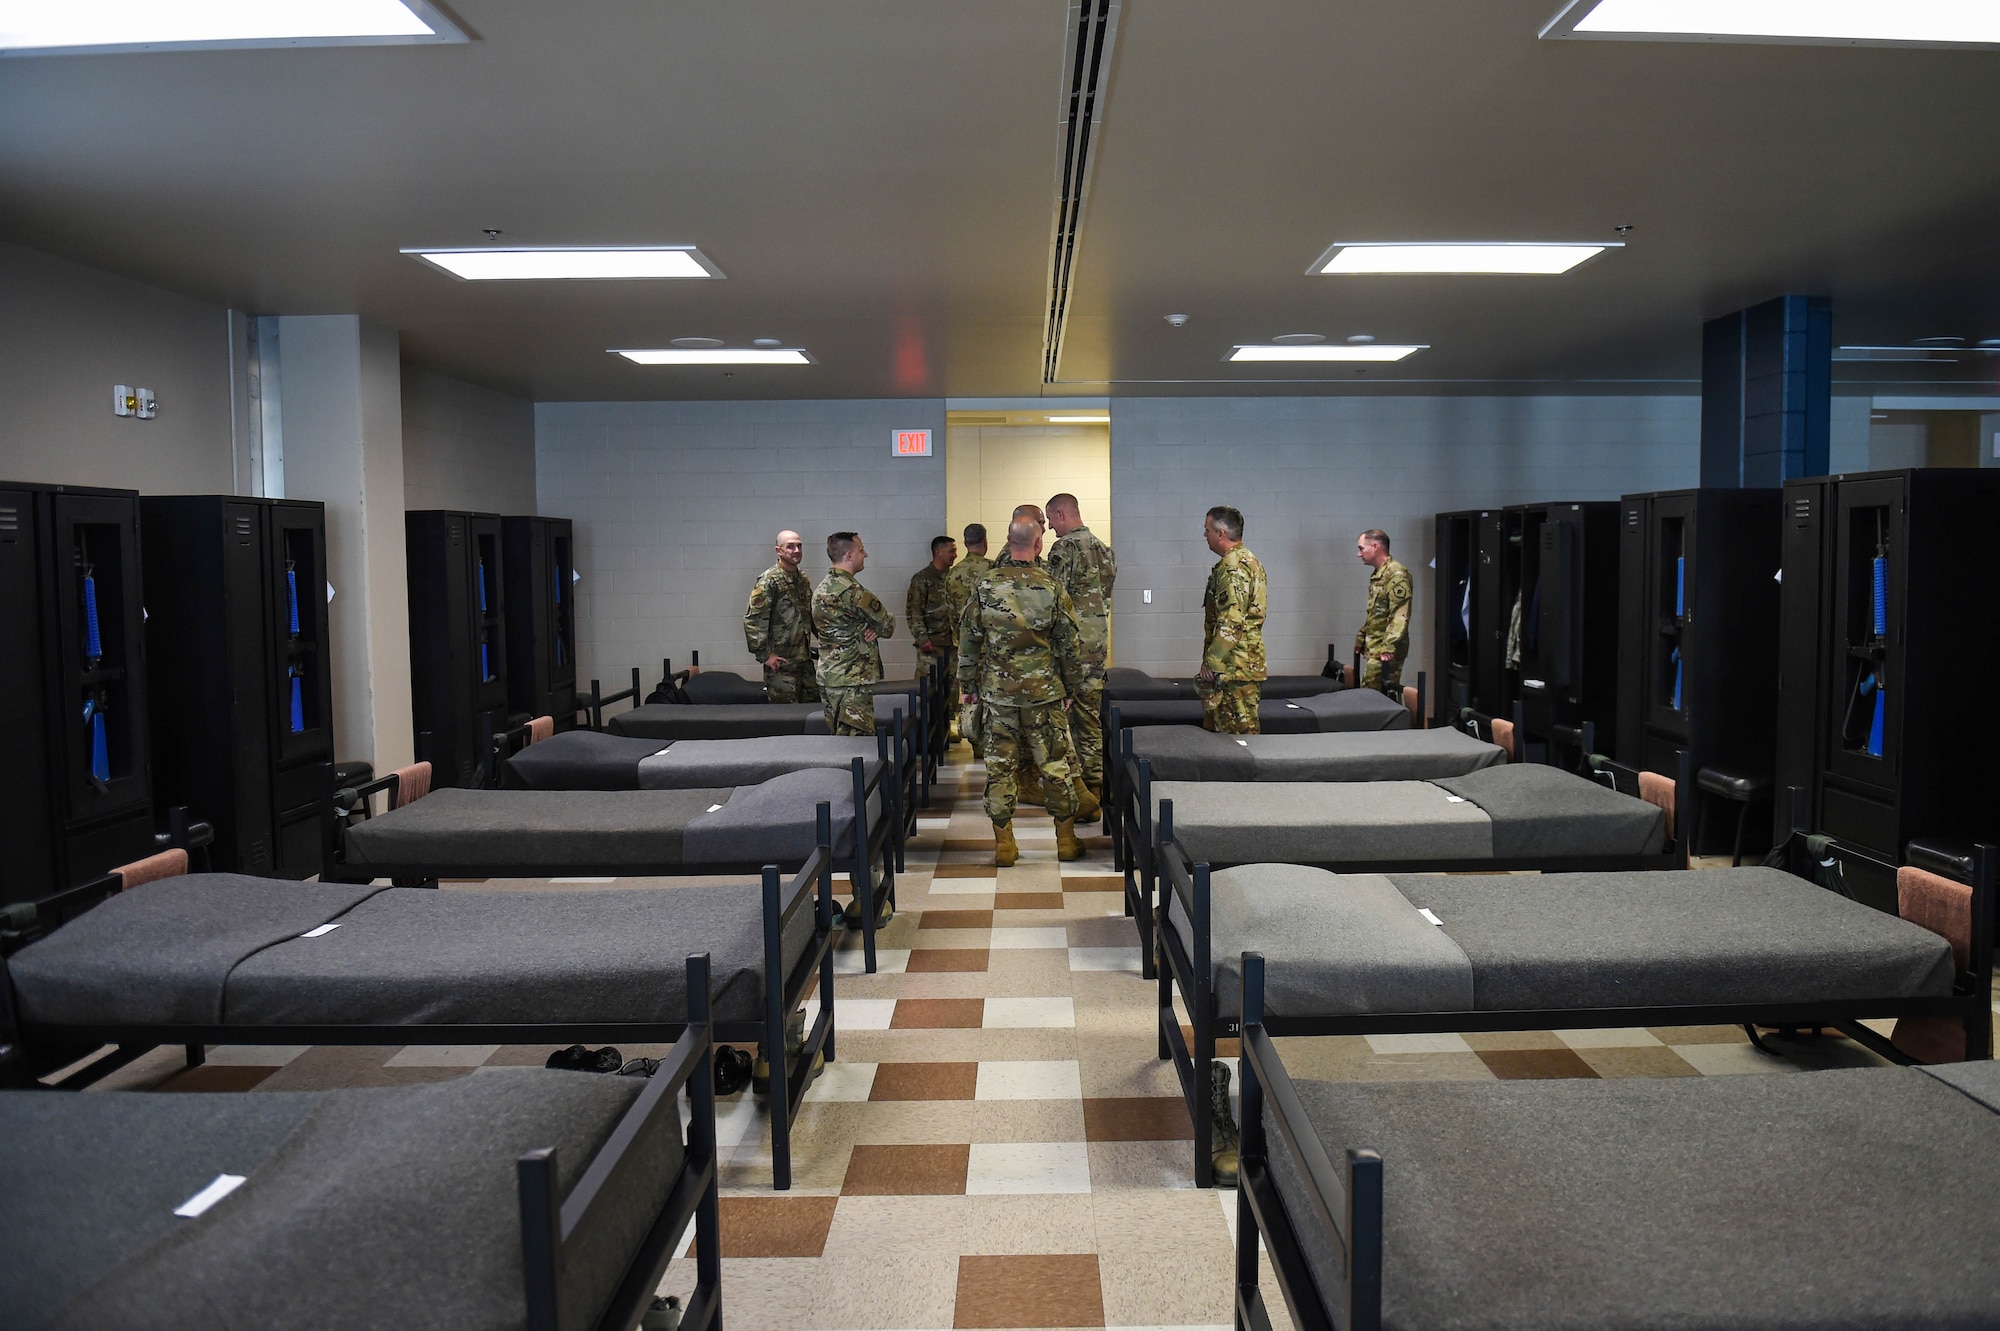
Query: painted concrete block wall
x: 676, y: 505
x: 1311, y: 473
x: 465, y: 446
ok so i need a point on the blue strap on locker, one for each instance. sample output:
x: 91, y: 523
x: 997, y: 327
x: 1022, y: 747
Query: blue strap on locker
x: 93, y: 641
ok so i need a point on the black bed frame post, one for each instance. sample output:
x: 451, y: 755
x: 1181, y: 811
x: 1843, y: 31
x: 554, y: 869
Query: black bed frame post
x: 701, y: 1131
x: 1684, y: 820
x: 541, y: 1235
x: 1357, y: 670
x: 1423, y: 701
x: 896, y: 811
x: 1119, y: 751
x: 1521, y: 733
x: 823, y: 916
x: 1251, y: 1133
x: 596, y: 705
x: 1364, y: 1241
x: 1163, y: 974
x: 1154, y: 838
x: 1978, y: 1017
x: 776, y: 1056
x: 1201, y: 1012
x: 329, y: 817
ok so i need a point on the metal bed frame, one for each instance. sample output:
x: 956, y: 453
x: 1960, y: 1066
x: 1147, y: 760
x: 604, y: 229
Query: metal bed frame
x: 1192, y: 969
x: 1135, y: 841
x: 783, y: 994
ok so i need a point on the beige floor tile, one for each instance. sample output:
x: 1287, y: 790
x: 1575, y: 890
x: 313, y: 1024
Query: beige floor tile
x: 895, y: 1290
x: 1140, y: 1165
x: 1174, y: 1288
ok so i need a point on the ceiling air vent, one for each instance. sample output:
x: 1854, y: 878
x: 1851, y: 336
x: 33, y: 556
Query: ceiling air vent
x: 1093, y: 24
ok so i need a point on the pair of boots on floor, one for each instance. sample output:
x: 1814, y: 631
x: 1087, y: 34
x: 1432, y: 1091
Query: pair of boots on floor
x: 1005, y: 850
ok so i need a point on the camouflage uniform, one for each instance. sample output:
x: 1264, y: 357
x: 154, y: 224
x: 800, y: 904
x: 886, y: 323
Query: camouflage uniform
x: 1232, y: 613
x: 1019, y: 651
x: 927, y: 610
x: 1086, y: 568
x: 849, y: 665
x: 778, y: 622
x: 1387, y: 629
x: 958, y: 584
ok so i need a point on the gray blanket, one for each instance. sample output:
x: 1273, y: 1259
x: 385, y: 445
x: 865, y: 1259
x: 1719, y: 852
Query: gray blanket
x: 1189, y: 753
x: 723, y: 688
x: 673, y: 721
x: 1542, y: 811
x: 1345, y: 709
x: 1672, y: 1203
x: 693, y: 763
x: 393, y: 1207
x: 1123, y: 682
x: 580, y: 760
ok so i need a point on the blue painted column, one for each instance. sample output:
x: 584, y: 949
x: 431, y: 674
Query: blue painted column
x: 1766, y: 393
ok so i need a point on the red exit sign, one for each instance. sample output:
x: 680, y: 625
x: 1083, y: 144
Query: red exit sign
x: 911, y: 443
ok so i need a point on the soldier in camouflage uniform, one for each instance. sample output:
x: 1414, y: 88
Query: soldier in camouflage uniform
x: 1232, y: 612
x: 1034, y: 514
x: 1086, y: 568
x: 849, y: 620
x: 777, y: 625
x: 1019, y: 654
x: 927, y: 610
x: 1384, y: 639
x: 958, y: 585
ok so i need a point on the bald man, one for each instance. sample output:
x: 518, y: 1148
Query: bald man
x: 1086, y: 568
x: 777, y: 625
x: 1032, y: 513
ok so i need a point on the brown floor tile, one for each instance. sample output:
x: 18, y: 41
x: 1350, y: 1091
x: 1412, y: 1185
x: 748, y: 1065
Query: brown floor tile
x: 924, y: 1081
x: 1226, y: 1047
x: 1136, y: 1119
x: 1698, y: 1034
x: 1513, y: 1040
x: 952, y: 843
x: 963, y: 870
x: 216, y: 1077
x: 1094, y: 883
x: 1535, y: 1064
x: 775, y: 1226
x: 947, y: 959
x: 1646, y: 1061
x: 913, y: 1014
x: 907, y: 1171
x: 1044, y: 1290
x: 1027, y: 901
x: 934, y: 918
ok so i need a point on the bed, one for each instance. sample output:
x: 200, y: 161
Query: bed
x: 225, y: 959
x: 1319, y: 713
x: 1388, y: 954
x: 1124, y: 683
x: 510, y: 1198
x: 1850, y: 1198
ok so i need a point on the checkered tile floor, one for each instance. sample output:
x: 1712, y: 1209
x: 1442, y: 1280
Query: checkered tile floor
x: 998, y: 1145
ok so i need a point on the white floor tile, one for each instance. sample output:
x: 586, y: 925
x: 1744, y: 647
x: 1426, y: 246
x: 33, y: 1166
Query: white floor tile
x: 1027, y: 1167
x: 843, y: 1081
x: 861, y: 1014
x: 1104, y: 959
x: 1721, y: 1060
x: 443, y: 1055
x: 1037, y: 1012
x: 888, y: 961
x: 1630, y: 1038
x: 1051, y: 936
x: 254, y: 1055
x: 1425, y: 1043
x: 953, y: 887
x: 1057, y: 1079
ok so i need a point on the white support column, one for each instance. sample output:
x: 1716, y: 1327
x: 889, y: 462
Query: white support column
x: 343, y: 445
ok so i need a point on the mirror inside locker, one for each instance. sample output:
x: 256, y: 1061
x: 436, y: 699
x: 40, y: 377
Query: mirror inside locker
x: 1865, y: 717
x: 101, y: 708
x: 1672, y: 596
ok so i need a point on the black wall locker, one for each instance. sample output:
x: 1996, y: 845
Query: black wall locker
x: 1560, y: 571
x: 1899, y: 674
x: 73, y: 701
x: 1466, y: 627
x: 1802, y: 659
x: 541, y: 617
x: 237, y: 631
x: 1698, y: 617
x: 458, y: 640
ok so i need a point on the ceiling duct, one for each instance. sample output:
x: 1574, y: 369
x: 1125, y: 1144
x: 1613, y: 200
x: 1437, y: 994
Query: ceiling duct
x: 1093, y: 25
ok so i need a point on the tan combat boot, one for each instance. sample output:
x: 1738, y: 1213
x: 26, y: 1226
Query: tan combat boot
x: 1005, y: 852
x: 1028, y: 787
x: 1224, y: 1144
x: 1087, y: 804
x: 1067, y: 846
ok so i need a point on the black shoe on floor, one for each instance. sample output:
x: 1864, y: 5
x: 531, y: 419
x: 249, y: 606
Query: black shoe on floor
x: 732, y: 1070
x: 640, y: 1067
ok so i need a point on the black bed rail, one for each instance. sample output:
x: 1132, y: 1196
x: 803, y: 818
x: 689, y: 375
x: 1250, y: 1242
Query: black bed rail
x: 791, y: 1074
x: 593, y: 708
x: 553, y: 1232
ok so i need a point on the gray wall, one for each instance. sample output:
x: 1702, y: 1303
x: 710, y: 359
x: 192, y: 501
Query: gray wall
x: 465, y: 446
x: 676, y: 505
x: 67, y: 335
x: 1311, y: 473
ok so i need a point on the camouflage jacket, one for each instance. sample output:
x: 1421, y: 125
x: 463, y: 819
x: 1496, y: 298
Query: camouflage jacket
x: 1232, y: 618
x: 1007, y: 557
x: 1387, y: 628
x: 778, y: 621
x: 1086, y: 568
x: 842, y: 609
x: 959, y: 582
x: 927, y: 609
x: 1019, y: 642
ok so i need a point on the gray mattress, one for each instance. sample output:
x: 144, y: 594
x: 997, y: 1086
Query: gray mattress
x: 1517, y: 813
x: 361, y: 1209
x: 1325, y: 713
x: 1843, y: 1199
x: 579, y: 760
x: 723, y: 688
x: 678, y: 721
x: 1352, y: 944
x: 399, y: 956
x: 586, y: 760
x: 493, y: 833
x: 1189, y: 753
x: 1123, y: 682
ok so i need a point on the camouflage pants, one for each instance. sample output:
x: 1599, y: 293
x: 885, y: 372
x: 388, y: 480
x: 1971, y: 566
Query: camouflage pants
x: 1086, y: 729
x: 1017, y: 737
x: 791, y: 682
x: 1231, y: 709
x: 1384, y: 675
x: 850, y: 708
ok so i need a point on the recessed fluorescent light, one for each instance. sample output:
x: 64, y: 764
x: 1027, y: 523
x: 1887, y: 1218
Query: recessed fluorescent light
x: 1503, y: 257
x: 1838, y: 22
x: 1079, y: 420
x: 67, y: 27
x: 717, y: 356
x: 582, y: 263
x: 1376, y: 352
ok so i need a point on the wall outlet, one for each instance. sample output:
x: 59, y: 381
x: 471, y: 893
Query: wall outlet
x: 1148, y: 595
x: 124, y: 402
x: 149, y: 406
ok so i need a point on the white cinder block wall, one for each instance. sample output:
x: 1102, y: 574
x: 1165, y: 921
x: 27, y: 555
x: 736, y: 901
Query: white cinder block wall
x: 465, y: 446
x: 676, y: 505
x: 1312, y: 473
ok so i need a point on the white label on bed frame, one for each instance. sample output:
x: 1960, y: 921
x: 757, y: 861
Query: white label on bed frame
x: 224, y: 1185
x: 1454, y: 799
x: 1425, y: 911
x: 322, y: 931
x: 1244, y: 742
x: 713, y: 807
